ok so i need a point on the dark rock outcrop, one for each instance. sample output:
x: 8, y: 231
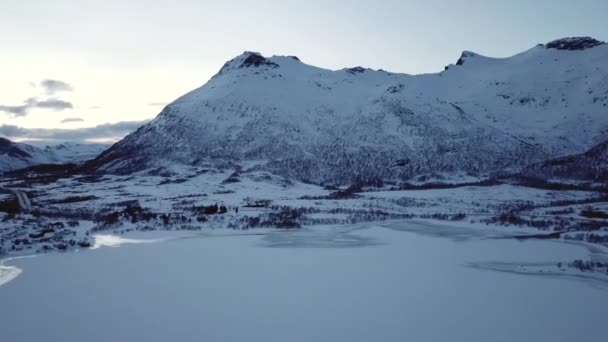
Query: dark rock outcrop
x: 574, y: 43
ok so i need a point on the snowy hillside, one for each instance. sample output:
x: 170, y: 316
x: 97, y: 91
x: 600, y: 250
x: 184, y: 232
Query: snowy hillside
x: 589, y: 166
x: 14, y: 156
x: 480, y: 116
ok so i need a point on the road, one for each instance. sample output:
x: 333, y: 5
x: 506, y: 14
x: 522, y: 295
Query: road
x: 24, y: 201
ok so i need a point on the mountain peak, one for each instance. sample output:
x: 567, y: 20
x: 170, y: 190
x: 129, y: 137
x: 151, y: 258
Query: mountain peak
x: 247, y: 59
x: 574, y: 43
x: 464, y: 56
x: 255, y: 59
x: 355, y: 70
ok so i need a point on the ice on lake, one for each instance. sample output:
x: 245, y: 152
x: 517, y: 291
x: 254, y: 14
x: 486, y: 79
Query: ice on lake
x: 391, y: 282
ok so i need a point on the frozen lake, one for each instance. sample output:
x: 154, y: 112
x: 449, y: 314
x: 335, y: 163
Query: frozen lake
x: 396, y: 282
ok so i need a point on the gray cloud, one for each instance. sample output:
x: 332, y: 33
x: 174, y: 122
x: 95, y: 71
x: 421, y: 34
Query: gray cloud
x: 15, y: 110
x: 68, y: 120
x: 157, y: 104
x: 53, y: 86
x: 22, y: 110
x: 108, y: 132
x: 54, y: 104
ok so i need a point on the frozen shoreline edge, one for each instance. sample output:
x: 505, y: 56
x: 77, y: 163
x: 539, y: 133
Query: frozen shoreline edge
x: 9, y: 273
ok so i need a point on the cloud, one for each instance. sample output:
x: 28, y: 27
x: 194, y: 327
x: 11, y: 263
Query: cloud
x: 54, y: 104
x: 14, y: 110
x: 54, y: 86
x: 95, y: 107
x: 157, y: 104
x: 22, y: 110
x: 105, y: 132
x: 68, y: 120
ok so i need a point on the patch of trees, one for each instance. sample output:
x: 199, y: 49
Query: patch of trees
x: 283, y: 217
x: 133, y: 212
x: 589, y: 266
x: 286, y: 218
x: 10, y: 206
x: 510, y: 218
x: 593, y: 225
x: 514, y: 218
x: 445, y: 217
x: 173, y: 181
x: 211, y: 209
x: 546, y: 185
x: 591, y: 213
x: 443, y: 185
x: 593, y: 238
x: 41, y: 233
x: 84, y: 244
x: 74, y: 199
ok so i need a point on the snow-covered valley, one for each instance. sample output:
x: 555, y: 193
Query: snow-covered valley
x: 64, y: 214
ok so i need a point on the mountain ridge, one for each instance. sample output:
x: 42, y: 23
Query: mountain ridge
x: 485, y: 116
x: 16, y: 155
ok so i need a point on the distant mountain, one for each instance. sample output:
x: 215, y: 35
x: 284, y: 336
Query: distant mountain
x: 591, y: 166
x: 481, y: 116
x: 75, y: 152
x: 14, y: 156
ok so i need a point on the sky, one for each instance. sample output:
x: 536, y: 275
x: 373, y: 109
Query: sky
x: 68, y: 64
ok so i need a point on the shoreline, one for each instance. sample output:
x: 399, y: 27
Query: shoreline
x: 426, y: 227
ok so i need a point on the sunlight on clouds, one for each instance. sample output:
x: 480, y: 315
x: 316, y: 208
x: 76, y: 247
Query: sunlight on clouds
x: 102, y: 94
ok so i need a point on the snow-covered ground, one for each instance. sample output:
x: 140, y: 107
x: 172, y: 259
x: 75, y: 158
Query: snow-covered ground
x: 394, y: 281
x: 64, y: 213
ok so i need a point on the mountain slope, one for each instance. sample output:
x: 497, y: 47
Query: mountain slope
x: 589, y: 166
x: 480, y: 116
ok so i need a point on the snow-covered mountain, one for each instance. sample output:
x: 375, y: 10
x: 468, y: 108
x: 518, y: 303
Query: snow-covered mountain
x: 14, y: 156
x: 480, y: 116
x: 71, y: 152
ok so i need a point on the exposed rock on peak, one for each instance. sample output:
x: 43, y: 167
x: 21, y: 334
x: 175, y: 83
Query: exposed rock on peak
x: 574, y: 43
x: 246, y: 60
x: 255, y: 59
x: 356, y: 70
x: 465, y: 55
